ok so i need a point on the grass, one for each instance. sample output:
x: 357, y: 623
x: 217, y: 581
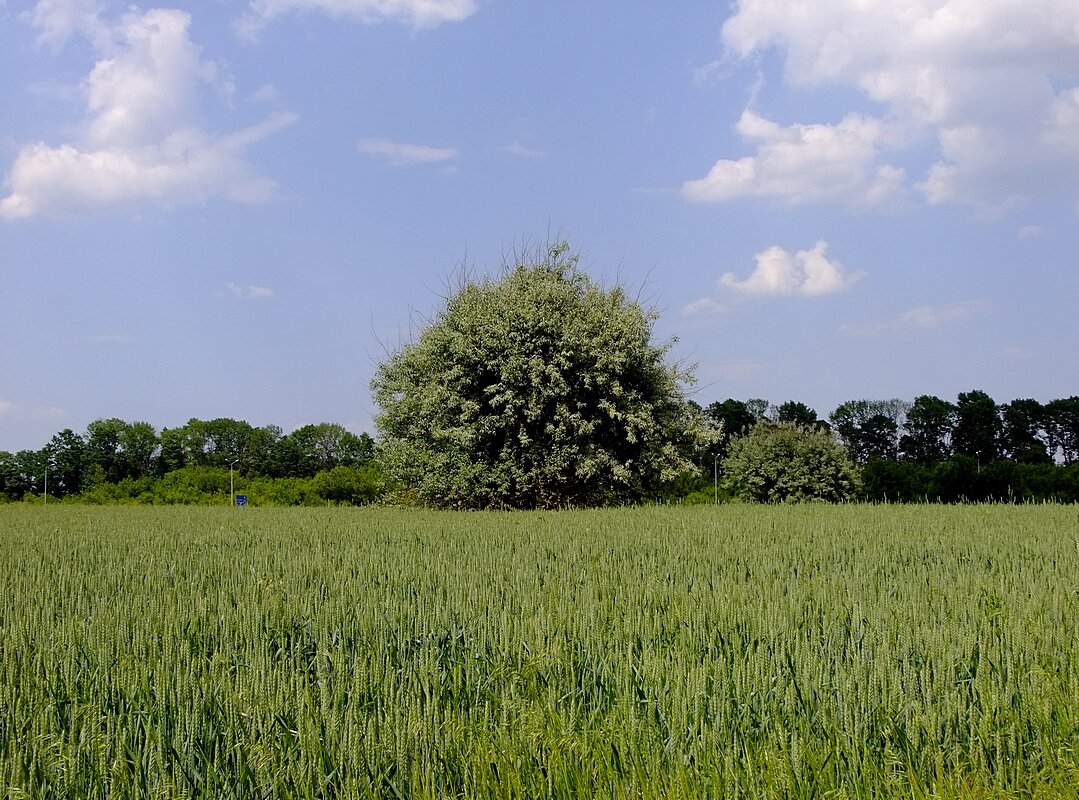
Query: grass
x: 738, y: 651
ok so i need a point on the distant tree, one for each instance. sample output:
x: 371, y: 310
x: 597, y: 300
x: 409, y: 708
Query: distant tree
x: 779, y: 462
x: 262, y: 449
x: 536, y: 389
x: 173, y: 453
x: 30, y: 471
x: 758, y: 407
x: 795, y: 413
x: 1022, y: 423
x: 732, y: 418
x: 68, y: 464
x: 929, y: 426
x: 1061, y: 425
x: 870, y: 428
x: 212, y: 443
x: 140, y: 444
x: 287, y: 459
x: 327, y: 445
x: 11, y: 487
x: 357, y: 449
x: 104, y: 451
x: 117, y: 450
x: 878, y: 439
x: 977, y: 427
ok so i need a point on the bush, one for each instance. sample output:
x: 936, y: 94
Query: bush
x: 778, y: 462
x: 353, y: 486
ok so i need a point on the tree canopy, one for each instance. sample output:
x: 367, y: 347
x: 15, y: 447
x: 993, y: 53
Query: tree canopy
x: 536, y: 388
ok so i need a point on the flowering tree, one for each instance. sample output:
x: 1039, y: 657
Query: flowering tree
x: 535, y: 389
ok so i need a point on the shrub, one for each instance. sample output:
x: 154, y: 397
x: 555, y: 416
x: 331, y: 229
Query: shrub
x: 778, y: 462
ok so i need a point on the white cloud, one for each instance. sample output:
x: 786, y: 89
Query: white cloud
x: 991, y: 85
x: 59, y: 20
x: 710, y: 73
x: 807, y: 273
x: 927, y: 317
x: 403, y: 154
x: 803, y: 163
x: 139, y: 141
x: 250, y: 292
x: 1063, y: 128
x: 917, y: 320
x: 6, y: 407
x: 702, y: 307
x: 418, y: 14
x: 1030, y: 231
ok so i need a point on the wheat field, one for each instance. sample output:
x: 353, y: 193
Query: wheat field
x: 732, y: 651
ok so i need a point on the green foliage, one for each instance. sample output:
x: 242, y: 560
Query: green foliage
x: 732, y: 418
x: 777, y: 462
x: 799, y: 414
x: 316, y: 448
x: 537, y: 389
x: 68, y: 464
x: 960, y: 479
x: 129, y: 491
x: 977, y: 427
x: 11, y: 487
x: 209, y: 486
x: 353, y: 486
x: 1061, y: 423
x: 870, y: 428
x: 192, y: 486
x: 929, y: 425
x: 1021, y: 422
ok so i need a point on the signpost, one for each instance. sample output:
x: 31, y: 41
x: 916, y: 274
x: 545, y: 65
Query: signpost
x: 241, y: 499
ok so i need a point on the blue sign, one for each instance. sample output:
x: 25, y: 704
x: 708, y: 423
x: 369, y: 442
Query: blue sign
x: 241, y: 499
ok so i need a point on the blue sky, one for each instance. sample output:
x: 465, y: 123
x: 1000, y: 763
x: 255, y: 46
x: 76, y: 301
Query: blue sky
x: 233, y: 209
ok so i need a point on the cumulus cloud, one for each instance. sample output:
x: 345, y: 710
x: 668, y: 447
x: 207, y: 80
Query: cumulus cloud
x: 803, y: 163
x: 418, y: 14
x: 404, y: 154
x: 6, y: 407
x: 917, y: 320
x: 139, y: 140
x: 992, y: 86
x: 807, y: 273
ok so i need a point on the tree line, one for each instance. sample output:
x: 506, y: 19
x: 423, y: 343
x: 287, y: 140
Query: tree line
x: 933, y: 449
x: 926, y: 449
x: 117, y: 460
